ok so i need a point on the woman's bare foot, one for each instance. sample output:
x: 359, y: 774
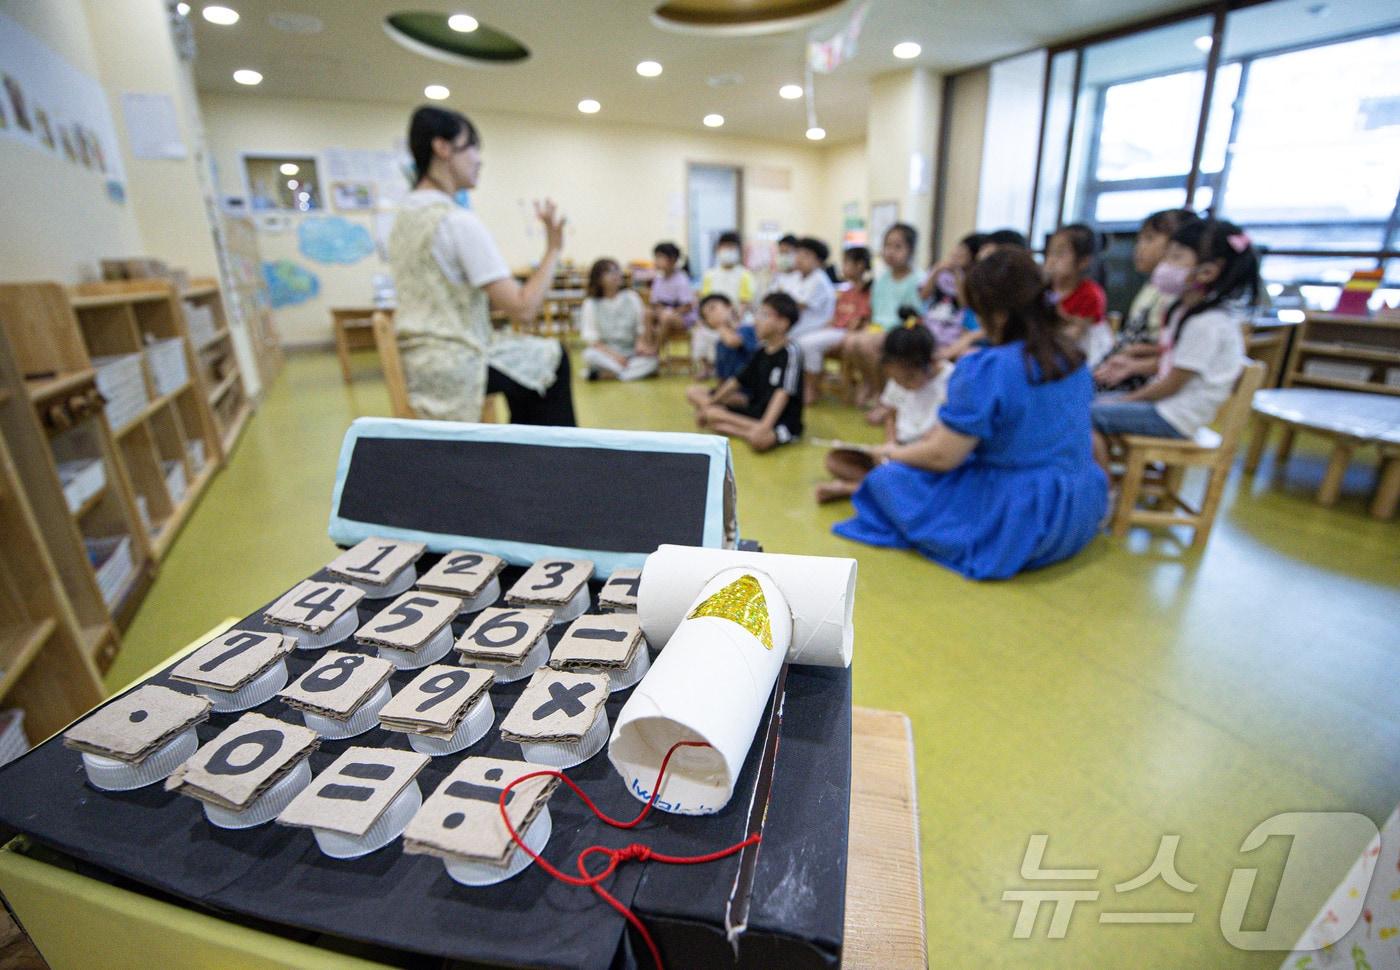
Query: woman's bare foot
x: 834, y: 491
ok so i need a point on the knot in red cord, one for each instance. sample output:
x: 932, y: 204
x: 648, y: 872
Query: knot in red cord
x: 636, y: 852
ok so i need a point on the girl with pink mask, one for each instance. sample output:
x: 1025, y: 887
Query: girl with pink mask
x: 1210, y: 272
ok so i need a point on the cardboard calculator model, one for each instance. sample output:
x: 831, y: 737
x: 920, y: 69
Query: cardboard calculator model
x: 661, y: 504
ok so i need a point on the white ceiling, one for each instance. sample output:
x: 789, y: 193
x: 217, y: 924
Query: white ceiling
x: 590, y: 48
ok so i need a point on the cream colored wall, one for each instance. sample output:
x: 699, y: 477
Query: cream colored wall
x: 844, y: 180
x: 903, y: 123
x: 58, y: 221
x: 134, y: 56
x: 622, y: 186
x: 967, y: 128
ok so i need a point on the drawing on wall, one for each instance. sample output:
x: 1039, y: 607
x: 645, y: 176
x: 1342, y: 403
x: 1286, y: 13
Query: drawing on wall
x: 334, y: 239
x: 289, y: 284
x: 54, y: 108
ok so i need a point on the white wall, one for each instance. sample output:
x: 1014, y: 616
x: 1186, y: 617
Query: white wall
x: 622, y: 186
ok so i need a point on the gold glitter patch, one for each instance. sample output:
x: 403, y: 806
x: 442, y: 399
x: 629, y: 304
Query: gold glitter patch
x: 740, y: 602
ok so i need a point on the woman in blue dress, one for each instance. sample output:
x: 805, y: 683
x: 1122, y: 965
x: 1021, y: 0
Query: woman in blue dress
x: 1006, y: 480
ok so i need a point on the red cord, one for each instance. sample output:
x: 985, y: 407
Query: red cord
x: 636, y: 851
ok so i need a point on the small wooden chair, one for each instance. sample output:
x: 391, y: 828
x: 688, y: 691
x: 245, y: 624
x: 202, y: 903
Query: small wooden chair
x: 388, y: 345
x: 1209, y: 449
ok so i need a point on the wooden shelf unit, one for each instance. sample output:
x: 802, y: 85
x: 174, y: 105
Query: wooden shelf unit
x: 248, y: 295
x: 1370, y: 345
x: 170, y: 447
x: 48, y: 659
x: 217, y: 368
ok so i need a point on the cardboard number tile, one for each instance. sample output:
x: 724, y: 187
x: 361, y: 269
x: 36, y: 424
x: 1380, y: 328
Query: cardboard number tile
x: 550, y: 582
x: 620, y: 591
x: 229, y: 661
x: 410, y: 621
x: 337, y: 684
x: 557, y: 705
x: 435, y: 701
x: 375, y: 560
x: 462, y: 819
x: 313, y: 606
x: 504, y: 635
x: 462, y: 573
x: 247, y: 758
x: 134, y: 725
x: 603, y: 641
x: 354, y: 791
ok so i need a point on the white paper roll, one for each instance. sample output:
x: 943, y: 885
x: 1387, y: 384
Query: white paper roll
x: 820, y: 593
x: 711, y: 683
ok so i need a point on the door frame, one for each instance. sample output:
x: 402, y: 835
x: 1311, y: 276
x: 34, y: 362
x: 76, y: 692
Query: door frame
x: 738, y: 170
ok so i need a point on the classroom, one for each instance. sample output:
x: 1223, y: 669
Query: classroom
x: 699, y: 484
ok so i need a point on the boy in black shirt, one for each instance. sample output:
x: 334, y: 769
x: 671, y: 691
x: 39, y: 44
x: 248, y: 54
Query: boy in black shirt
x: 763, y: 404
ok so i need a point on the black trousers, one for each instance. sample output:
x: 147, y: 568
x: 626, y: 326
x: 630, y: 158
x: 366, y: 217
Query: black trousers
x: 554, y: 407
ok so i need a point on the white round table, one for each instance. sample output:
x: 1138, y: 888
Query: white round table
x: 1350, y: 419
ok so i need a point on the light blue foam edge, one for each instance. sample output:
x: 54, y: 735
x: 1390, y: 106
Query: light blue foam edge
x: 347, y: 532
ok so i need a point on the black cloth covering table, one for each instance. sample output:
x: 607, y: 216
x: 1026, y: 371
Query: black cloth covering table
x: 276, y: 877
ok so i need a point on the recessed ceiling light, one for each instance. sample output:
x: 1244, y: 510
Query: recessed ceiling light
x: 462, y: 23
x: 223, y: 16
x: 790, y: 92
x: 589, y: 107
x: 247, y: 76
x: 648, y: 69
x: 713, y: 121
x: 437, y: 92
x: 816, y: 134
x: 1203, y: 42
x: 907, y: 50
x: 183, y: 9
x: 289, y: 168
x: 292, y: 183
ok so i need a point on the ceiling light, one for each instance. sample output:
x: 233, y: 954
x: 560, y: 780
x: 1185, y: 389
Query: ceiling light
x: 183, y: 9
x: 247, y: 76
x: 292, y: 183
x: 462, y: 23
x: 289, y: 168
x: 816, y: 134
x: 648, y: 69
x: 907, y: 50
x: 713, y: 121
x: 1203, y: 43
x: 790, y: 92
x: 589, y: 107
x: 223, y: 16
x: 437, y: 92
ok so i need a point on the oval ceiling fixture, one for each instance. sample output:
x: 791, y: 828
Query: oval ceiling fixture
x: 430, y: 34
x: 737, y: 18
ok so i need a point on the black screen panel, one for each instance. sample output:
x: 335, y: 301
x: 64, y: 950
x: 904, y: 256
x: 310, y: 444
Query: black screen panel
x: 577, y: 498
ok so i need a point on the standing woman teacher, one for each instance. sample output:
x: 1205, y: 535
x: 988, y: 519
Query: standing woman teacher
x: 450, y: 275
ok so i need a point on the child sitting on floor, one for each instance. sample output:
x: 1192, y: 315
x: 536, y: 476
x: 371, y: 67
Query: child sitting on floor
x: 615, y: 341
x: 763, y: 404
x: 1081, y: 302
x: 737, y: 342
x: 916, y: 386
x: 1212, y: 271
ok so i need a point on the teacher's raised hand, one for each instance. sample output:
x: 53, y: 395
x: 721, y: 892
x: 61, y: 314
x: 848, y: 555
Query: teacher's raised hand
x: 553, y: 223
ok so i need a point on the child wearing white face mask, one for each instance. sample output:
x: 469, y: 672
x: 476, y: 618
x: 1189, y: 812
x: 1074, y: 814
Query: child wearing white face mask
x: 1211, y: 272
x: 787, y: 278
x: 728, y: 278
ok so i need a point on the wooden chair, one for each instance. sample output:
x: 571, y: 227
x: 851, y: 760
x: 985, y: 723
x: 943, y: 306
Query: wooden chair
x: 388, y: 345
x: 1210, y: 450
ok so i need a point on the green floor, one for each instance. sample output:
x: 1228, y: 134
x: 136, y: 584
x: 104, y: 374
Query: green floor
x: 1136, y: 692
